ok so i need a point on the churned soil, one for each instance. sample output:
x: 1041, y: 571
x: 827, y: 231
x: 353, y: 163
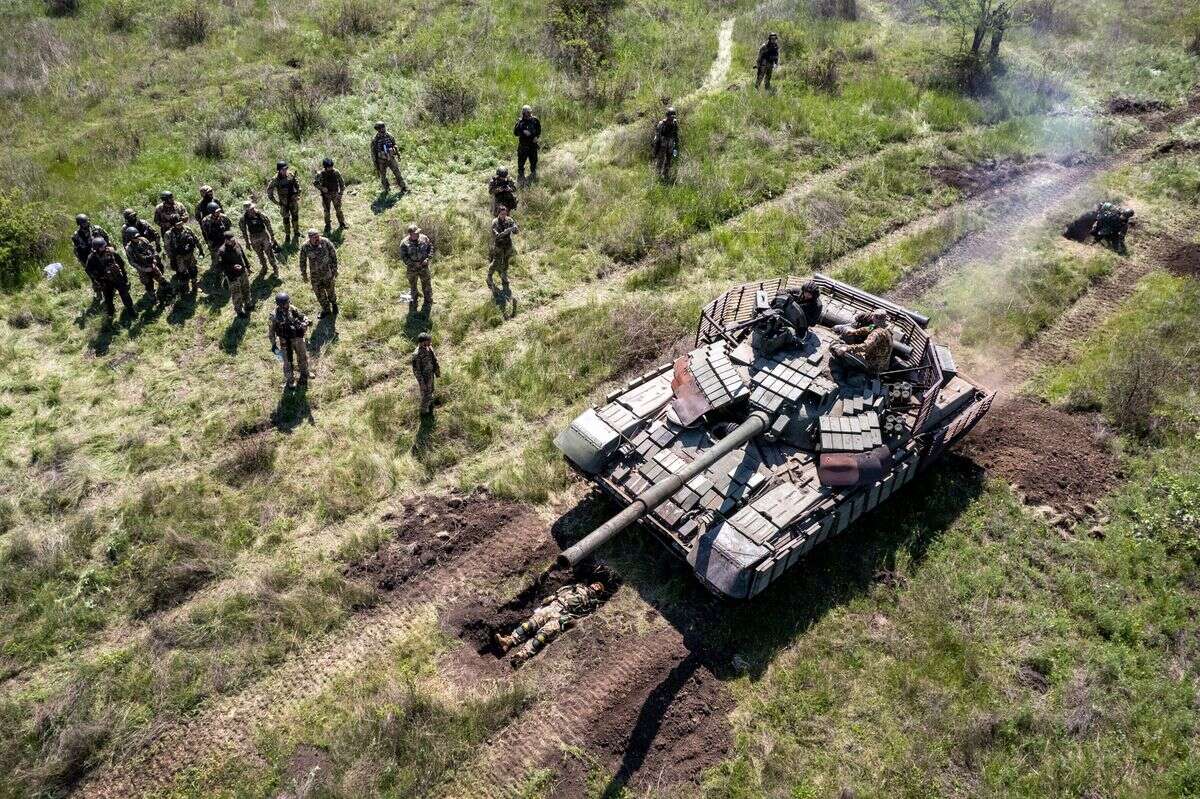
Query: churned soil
x: 980, y: 177
x: 1052, y: 457
x: 1135, y: 105
x: 1183, y: 259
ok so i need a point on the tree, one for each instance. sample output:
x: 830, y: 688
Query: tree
x: 975, y: 21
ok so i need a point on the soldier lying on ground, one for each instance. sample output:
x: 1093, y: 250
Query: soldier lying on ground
x: 549, y: 620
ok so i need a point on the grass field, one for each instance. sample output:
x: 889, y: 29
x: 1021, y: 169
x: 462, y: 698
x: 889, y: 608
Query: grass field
x: 173, y: 529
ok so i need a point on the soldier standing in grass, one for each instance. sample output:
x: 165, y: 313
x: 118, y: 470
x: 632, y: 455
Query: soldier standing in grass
x: 416, y: 251
x: 236, y: 269
x: 285, y: 330
x: 144, y: 258
x: 384, y: 152
x: 259, y: 235
x: 666, y: 143
x: 503, y: 191
x: 143, y: 228
x: 528, y: 131
x: 503, y: 228
x: 214, y: 226
x: 550, y: 619
x: 107, y: 269
x: 329, y: 182
x: 167, y: 208
x: 207, y: 199
x: 768, y: 59
x: 284, y: 190
x: 425, y: 368
x: 182, y: 247
x: 319, y: 266
x: 81, y: 243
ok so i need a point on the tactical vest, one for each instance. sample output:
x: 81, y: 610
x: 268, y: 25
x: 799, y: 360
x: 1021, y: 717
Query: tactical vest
x: 290, y: 325
x: 256, y: 223
x: 184, y: 242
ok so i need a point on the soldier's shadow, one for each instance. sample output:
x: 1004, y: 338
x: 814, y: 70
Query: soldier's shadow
x: 184, y: 307
x: 324, y: 333
x: 152, y: 309
x: 102, y: 341
x: 231, y: 340
x: 424, y: 436
x: 264, y: 285
x: 385, y: 201
x: 213, y: 289
x: 292, y: 410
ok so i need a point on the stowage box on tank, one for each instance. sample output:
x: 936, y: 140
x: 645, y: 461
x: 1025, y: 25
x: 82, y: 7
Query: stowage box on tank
x: 742, y: 457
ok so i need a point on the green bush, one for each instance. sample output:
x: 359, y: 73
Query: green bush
x: 450, y: 96
x: 26, y: 239
x: 120, y: 15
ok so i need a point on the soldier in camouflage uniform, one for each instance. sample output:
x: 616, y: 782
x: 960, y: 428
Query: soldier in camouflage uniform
x: 1111, y: 225
x: 503, y: 228
x: 207, y: 198
x: 869, y: 348
x: 666, y: 143
x: 768, y: 59
x: 528, y: 131
x: 284, y: 190
x: 329, y: 182
x: 503, y: 191
x: 166, y: 209
x: 214, y: 226
x: 319, y: 266
x: 416, y: 251
x: 259, y: 235
x: 383, y: 156
x: 550, y: 619
x: 144, y: 258
x: 236, y: 269
x: 81, y: 243
x: 106, y: 268
x: 425, y: 368
x: 285, y: 330
x: 182, y: 246
x: 143, y: 228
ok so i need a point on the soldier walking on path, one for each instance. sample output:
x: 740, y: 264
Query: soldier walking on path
x: 666, y: 143
x: 214, y: 226
x: 383, y: 155
x: 143, y: 228
x: 425, y: 368
x: 329, y: 182
x: 285, y: 331
x: 528, y: 131
x: 182, y: 246
x: 207, y: 199
x: 416, y: 251
x: 503, y: 191
x: 549, y: 620
x: 259, y: 235
x: 107, y: 269
x: 166, y: 209
x: 81, y: 243
x: 284, y: 190
x: 503, y: 228
x: 319, y: 266
x: 236, y: 269
x: 768, y: 59
x: 145, y: 261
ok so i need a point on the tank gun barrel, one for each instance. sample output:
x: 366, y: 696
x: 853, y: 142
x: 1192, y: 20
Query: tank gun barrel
x: 658, y: 493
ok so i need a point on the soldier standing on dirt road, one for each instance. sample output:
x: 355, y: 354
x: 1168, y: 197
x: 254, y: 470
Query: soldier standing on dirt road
x: 259, y: 235
x: 503, y: 191
x: 284, y: 190
x: 236, y: 269
x: 81, y: 243
x: 416, y: 251
x: 666, y: 143
x: 167, y: 208
x: 503, y: 228
x: 145, y: 261
x: 106, y: 268
x: 425, y: 368
x: 384, y: 152
x: 319, y: 266
x: 285, y: 330
x: 329, y: 182
x: 549, y: 620
x: 528, y: 131
x: 182, y: 246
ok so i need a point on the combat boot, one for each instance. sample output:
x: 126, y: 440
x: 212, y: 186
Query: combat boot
x: 335, y: 308
x: 503, y: 642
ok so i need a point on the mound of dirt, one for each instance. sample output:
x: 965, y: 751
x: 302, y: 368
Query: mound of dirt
x: 428, y: 532
x: 1135, y: 105
x: 1183, y: 259
x: 1052, y: 457
x: 1177, y: 147
x: 979, y: 177
x: 1081, y: 229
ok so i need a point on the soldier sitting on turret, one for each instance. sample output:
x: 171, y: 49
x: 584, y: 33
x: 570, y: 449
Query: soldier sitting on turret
x: 801, y: 307
x: 772, y: 333
x: 868, y: 348
x: 550, y: 619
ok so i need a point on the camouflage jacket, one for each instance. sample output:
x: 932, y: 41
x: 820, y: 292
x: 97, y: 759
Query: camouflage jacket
x: 201, y: 207
x: 875, y: 348
x: 81, y: 241
x: 528, y: 131
x: 146, y: 231
x: 214, y: 226
x: 574, y: 601
x: 329, y: 182
x: 768, y: 54
x: 666, y: 132
x: 499, y: 186
x: 286, y: 324
x: 425, y: 364
x: 107, y: 266
x: 163, y: 211
x: 383, y: 146
x: 502, y: 232
x: 254, y: 223
x: 232, y: 260
x: 319, y: 260
x: 284, y: 189
x: 415, y: 253
x: 142, y: 255
x: 181, y: 241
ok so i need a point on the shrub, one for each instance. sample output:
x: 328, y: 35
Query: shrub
x: 449, y: 96
x: 1136, y: 380
x: 26, y: 239
x: 29, y: 56
x: 211, y: 144
x: 581, y: 35
x: 301, y: 109
x: 332, y: 77
x: 189, y: 25
x: 821, y: 70
x: 354, y: 18
x: 62, y: 8
x: 120, y: 15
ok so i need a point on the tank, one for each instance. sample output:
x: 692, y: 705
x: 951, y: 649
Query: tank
x: 743, y: 455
